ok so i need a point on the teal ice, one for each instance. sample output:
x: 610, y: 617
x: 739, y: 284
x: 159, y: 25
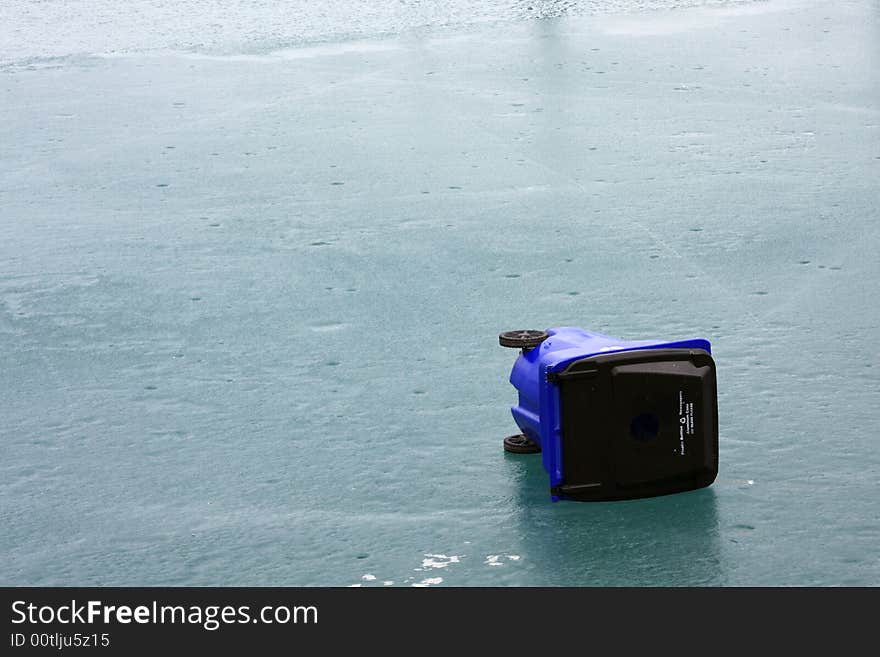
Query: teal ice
x: 253, y: 265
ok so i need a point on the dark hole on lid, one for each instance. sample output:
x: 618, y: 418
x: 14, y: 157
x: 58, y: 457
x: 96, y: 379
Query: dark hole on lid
x: 644, y: 427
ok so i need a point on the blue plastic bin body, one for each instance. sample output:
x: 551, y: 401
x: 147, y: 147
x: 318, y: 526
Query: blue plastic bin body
x: 537, y: 411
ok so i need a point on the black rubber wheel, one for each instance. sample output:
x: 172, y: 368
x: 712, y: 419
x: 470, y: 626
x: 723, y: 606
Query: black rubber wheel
x: 519, y: 444
x: 522, y: 339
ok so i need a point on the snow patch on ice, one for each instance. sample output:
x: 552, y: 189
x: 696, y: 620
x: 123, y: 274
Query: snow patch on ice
x: 438, y: 561
x: 498, y: 559
x: 428, y: 581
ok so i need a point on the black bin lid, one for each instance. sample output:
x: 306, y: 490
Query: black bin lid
x: 638, y: 423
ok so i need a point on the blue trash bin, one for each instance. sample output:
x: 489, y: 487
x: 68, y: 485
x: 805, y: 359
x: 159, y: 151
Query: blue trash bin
x: 615, y: 419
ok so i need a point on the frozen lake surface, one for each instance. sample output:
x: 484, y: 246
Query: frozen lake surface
x: 254, y: 261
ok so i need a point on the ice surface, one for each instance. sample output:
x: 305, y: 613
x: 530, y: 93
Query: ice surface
x: 249, y: 295
x: 59, y: 28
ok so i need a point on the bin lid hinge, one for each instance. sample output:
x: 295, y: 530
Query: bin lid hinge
x: 555, y: 377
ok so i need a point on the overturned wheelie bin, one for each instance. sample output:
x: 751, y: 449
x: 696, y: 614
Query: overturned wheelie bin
x: 615, y: 419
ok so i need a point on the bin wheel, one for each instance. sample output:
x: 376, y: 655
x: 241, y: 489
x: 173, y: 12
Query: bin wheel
x: 519, y: 444
x: 522, y: 339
